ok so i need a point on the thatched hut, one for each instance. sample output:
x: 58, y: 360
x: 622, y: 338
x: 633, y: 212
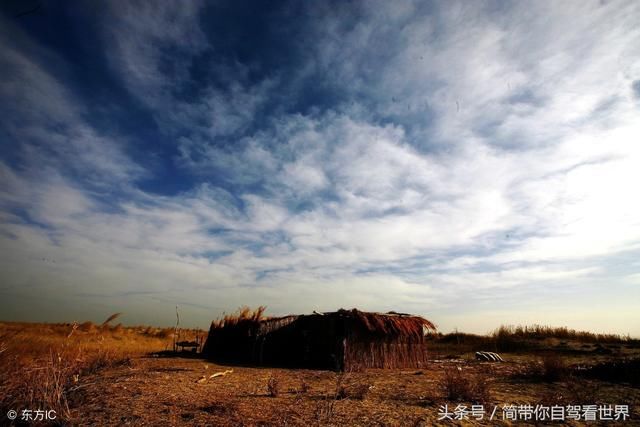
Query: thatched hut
x: 341, y: 340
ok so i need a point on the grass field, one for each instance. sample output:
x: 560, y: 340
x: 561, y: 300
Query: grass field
x: 40, y: 364
x: 113, y: 375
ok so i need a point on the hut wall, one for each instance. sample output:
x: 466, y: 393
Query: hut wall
x: 341, y: 341
x: 391, y: 353
x: 305, y: 341
x: 308, y: 342
x: 387, y: 342
x: 231, y: 344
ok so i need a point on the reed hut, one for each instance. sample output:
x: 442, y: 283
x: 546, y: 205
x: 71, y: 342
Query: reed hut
x: 341, y: 340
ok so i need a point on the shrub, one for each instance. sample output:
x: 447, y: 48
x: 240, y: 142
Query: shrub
x: 324, y: 411
x: 468, y: 388
x: 549, y: 368
x: 304, y: 386
x: 579, y: 390
x: 352, y: 391
x: 88, y: 327
x: 358, y: 391
x: 117, y: 329
x: 273, y: 386
x: 616, y: 371
x: 554, y: 368
x: 541, y: 332
x: 341, y: 388
x: 165, y: 333
x: 507, y: 339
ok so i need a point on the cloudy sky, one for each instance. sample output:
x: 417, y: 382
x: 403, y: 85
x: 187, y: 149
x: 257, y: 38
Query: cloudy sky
x: 477, y: 163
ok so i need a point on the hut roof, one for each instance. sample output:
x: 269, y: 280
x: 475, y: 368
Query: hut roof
x: 391, y: 323
x: 381, y: 324
x: 272, y: 323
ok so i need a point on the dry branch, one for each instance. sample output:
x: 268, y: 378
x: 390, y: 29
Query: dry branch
x: 111, y: 318
x: 204, y: 378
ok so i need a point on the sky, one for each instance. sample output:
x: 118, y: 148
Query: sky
x: 476, y: 163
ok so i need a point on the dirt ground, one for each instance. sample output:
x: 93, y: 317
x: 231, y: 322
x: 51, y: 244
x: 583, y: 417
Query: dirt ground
x: 171, y: 391
x: 109, y: 375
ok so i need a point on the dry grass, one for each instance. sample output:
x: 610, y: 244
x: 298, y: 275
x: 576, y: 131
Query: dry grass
x: 41, y: 363
x: 324, y: 411
x: 350, y: 386
x: 562, y: 332
x: 304, y: 386
x: 548, y: 368
x: 111, y: 318
x: 554, y: 368
x: 525, y: 339
x: 166, y: 393
x: 273, y: 386
x: 243, y: 314
x: 458, y: 386
x: 357, y: 391
x: 96, y: 376
x: 625, y: 370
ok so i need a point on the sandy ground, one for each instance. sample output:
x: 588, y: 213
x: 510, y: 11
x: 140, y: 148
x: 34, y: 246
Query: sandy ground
x: 167, y: 391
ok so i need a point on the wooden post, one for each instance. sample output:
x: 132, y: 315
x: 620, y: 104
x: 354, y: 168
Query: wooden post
x: 175, y: 332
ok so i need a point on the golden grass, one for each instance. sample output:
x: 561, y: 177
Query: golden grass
x: 459, y: 386
x: 91, y: 374
x: 111, y: 318
x: 525, y: 339
x: 241, y: 315
x: 562, y: 332
x: 40, y: 363
x: 273, y: 386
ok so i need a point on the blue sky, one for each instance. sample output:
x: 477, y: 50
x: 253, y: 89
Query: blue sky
x: 473, y: 162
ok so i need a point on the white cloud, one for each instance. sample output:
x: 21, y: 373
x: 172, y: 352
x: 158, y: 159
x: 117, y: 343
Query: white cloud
x: 45, y: 123
x: 472, y: 153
